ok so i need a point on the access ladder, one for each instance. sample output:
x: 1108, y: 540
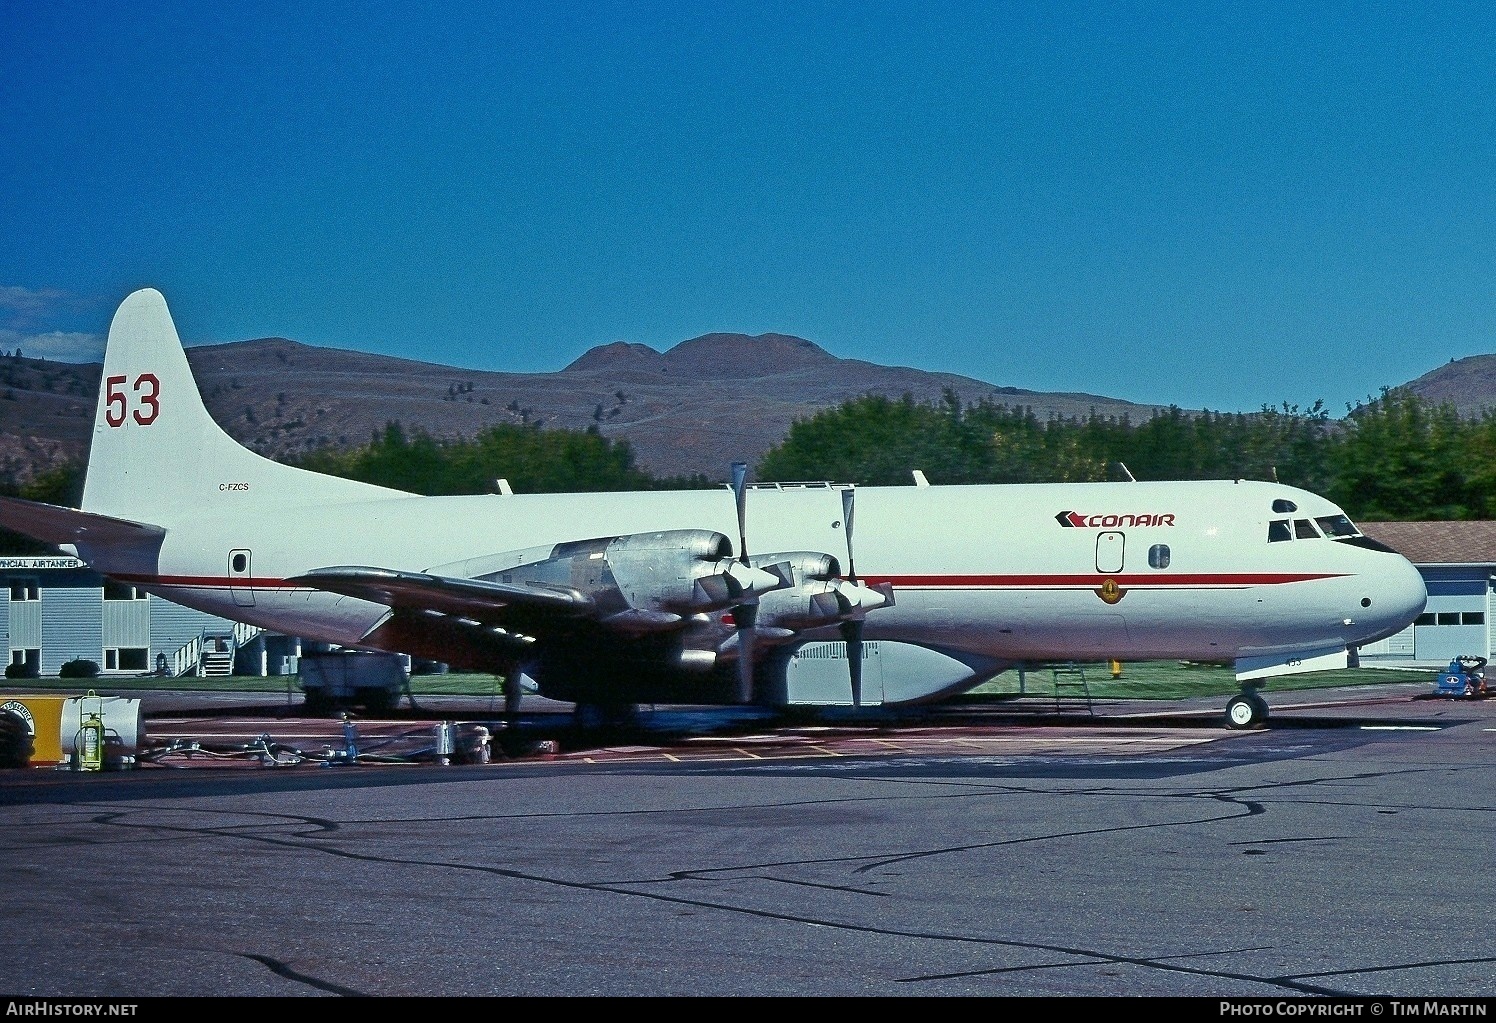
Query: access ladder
x: 1070, y: 685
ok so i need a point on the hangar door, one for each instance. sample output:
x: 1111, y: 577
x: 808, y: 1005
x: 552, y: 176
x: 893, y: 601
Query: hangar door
x: 1454, y: 623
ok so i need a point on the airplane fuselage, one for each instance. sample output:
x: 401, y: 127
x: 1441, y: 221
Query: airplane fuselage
x: 652, y: 597
x: 1009, y: 573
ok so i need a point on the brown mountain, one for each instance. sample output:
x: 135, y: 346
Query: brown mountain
x: 696, y: 408
x: 1468, y: 384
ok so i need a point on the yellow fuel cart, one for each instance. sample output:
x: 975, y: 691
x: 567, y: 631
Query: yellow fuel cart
x: 45, y: 729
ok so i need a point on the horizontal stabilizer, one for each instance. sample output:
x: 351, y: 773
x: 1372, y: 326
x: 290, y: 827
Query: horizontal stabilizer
x: 54, y: 524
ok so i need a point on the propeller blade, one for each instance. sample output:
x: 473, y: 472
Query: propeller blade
x: 740, y: 495
x: 851, y: 631
x: 745, y: 614
x: 849, y: 496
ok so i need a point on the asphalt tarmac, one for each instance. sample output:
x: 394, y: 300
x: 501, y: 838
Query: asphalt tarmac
x: 1007, y: 849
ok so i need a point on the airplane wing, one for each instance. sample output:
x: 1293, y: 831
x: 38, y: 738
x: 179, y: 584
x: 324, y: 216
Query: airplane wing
x: 646, y: 582
x: 55, y: 524
x: 618, y: 598
x: 479, y: 599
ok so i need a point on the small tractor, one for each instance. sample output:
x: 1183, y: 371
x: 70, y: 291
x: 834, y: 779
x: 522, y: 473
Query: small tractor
x: 1464, y: 679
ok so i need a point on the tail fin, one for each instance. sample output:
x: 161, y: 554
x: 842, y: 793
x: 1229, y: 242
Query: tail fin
x: 157, y: 453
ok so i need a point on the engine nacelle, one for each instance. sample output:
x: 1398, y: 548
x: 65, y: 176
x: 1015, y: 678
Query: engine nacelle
x: 819, y: 602
x: 816, y: 596
x: 649, y: 581
x: 802, y: 565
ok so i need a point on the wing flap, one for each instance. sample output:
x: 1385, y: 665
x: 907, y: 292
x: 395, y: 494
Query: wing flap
x: 478, y: 599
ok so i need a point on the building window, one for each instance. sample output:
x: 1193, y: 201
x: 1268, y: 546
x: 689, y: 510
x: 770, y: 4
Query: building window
x: 1158, y: 555
x: 1472, y: 618
x: 23, y: 589
x: 1427, y: 618
x: 120, y: 591
x: 127, y: 658
x: 1449, y: 618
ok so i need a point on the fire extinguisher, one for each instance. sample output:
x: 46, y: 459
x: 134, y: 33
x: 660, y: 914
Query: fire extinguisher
x: 89, y: 743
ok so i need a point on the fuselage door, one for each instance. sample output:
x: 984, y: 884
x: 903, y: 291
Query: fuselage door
x: 1109, y: 551
x: 241, y: 579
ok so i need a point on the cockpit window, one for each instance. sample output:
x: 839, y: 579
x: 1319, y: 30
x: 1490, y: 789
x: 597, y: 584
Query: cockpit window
x: 1337, y: 526
x: 1303, y: 529
x: 1278, y: 530
x: 1284, y: 507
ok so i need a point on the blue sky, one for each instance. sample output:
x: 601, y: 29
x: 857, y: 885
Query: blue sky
x: 1209, y: 205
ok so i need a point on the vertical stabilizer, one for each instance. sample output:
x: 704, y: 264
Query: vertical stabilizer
x: 157, y: 454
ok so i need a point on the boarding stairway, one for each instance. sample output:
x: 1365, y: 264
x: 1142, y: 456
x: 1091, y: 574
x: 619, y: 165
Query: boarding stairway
x: 210, y: 654
x: 1071, y: 687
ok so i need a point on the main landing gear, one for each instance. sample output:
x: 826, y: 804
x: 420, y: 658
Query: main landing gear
x: 1246, y: 709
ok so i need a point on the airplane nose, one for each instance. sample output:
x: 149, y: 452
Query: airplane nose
x: 1395, y: 594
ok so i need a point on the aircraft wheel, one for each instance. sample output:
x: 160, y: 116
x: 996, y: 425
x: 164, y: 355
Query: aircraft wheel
x: 591, y: 716
x: 376, y: 701
x: 1246, y: 710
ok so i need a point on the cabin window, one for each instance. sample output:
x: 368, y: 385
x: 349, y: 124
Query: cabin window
x: 1278, y: 530
x: 1337, y: 525
x: 1283, y: 507
x: 1303, y: 529
x: 24, y: 589
x: 1158, y: 556
x: 120, y: 591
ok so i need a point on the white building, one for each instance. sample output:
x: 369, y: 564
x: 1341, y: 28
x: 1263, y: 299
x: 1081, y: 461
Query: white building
x: 56, y: 610
x: 1458, y: 564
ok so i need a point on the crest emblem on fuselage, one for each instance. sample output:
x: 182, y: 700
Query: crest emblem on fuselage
x: 1111, y: 592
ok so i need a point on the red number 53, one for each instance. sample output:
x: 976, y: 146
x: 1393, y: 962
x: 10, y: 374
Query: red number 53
x: 147, y: 399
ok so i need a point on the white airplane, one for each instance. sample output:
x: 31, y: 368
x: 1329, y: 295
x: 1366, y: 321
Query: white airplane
x: 608, y: 600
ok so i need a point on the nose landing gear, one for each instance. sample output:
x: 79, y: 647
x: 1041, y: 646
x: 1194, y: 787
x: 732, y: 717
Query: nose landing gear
x: 1246, y: 709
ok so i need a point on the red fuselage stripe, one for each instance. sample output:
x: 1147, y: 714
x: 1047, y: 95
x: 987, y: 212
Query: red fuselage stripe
x: 1151, y: 581
x: 986, y: 582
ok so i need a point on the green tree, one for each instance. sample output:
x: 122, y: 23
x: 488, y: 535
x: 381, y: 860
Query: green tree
x: 1398, y: 458
x: 532, y: 459
x: 60, y: 485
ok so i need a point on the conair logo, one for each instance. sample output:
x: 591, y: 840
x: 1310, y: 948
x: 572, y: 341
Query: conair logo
x: 1071, y: 520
